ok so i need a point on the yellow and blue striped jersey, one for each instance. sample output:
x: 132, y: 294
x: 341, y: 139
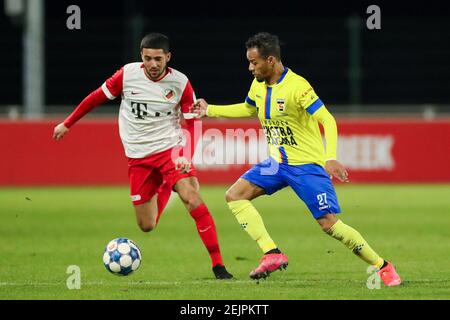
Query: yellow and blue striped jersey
x: 290, y: 112
x: 285, y: 111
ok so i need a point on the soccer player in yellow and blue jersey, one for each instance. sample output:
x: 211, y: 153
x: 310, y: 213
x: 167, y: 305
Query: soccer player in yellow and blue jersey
x: 290, y: 112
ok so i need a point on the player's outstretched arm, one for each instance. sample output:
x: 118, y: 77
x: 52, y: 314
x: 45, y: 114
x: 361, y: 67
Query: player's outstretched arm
x: 332, y: 166
x: 60, y: 131
x: 199, y: 108
x: 94, y: 99
x: 238, y: 110
x: 110, y: 89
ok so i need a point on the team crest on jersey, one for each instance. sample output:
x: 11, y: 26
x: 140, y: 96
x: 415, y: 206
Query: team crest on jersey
x: 168, y: 93
x: 280, y: 104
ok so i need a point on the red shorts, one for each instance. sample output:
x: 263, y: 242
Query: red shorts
x: 148, y: 175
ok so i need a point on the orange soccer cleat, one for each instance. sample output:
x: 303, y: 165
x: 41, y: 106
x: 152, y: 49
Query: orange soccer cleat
x: 268, y: 264
x: 389, y: 275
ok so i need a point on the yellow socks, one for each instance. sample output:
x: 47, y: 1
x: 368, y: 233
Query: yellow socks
x: 251, y: 221
x: 353, y: 240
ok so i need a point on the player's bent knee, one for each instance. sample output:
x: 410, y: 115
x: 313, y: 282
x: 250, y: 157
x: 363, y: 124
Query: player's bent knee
x: 147, y: 227
x: 230, y: 195
x: 327, y: 222
x: 325, y: 228
x: 146, y: 215
x: 235, y: 195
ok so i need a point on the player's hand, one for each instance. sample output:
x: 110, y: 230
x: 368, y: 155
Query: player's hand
x: 60, y: 131
x: 182, y: 164
x: 336, y: 169
x: 199, y: 108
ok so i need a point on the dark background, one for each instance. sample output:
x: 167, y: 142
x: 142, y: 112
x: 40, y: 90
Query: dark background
x: 406, y: 63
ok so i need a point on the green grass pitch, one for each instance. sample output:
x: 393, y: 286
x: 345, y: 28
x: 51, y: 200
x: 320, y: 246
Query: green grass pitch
x: 45, y: 230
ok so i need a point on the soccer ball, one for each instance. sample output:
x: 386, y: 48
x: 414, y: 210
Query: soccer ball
x: 122, y: 257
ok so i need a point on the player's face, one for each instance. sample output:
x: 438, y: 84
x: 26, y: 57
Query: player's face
x: 155, y: 62
x: 260, y: 67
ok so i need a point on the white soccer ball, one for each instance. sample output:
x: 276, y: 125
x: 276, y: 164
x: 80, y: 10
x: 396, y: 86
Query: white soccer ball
x: 122, y: 256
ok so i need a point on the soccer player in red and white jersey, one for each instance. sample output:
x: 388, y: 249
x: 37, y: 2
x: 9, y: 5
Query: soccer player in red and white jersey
x: 153, y: 98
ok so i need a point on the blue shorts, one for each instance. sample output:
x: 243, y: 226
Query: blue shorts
x: 309, y: 181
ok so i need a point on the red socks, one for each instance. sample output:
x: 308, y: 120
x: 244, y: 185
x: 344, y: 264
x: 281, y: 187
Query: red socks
x: 207, y: 231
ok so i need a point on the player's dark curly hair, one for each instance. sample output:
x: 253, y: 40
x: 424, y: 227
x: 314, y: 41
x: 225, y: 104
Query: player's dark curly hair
x: 155, y: 41
x: 266, y: 43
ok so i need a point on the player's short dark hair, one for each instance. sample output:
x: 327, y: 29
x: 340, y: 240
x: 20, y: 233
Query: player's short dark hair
x: 266, y: 43
x: 155, y: 41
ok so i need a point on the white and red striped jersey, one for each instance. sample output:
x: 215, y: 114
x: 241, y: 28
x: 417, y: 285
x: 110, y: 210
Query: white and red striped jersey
x: 150, y: 111
x: 149, y: 116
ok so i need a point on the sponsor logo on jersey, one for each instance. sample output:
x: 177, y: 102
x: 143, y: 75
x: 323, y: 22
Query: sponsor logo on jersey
x: 280, y: 104
x: 139, y: 109
x: 168, y: 93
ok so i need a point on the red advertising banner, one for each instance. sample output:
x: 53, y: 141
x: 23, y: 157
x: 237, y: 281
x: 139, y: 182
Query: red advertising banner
x: 91, y: 153
x: 380, y: 150
x: 373, y: 150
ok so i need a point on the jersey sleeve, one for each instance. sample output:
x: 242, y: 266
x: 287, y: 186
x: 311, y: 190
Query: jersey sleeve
x: 192, y: 137
x: 239, y: 110
x: 109, y: 90
x: 307, y: 98
x: 187, y: 98
x: 250, y: 99
x: 328, y: 122
x: 94, y: 99
x: 113, y: 86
